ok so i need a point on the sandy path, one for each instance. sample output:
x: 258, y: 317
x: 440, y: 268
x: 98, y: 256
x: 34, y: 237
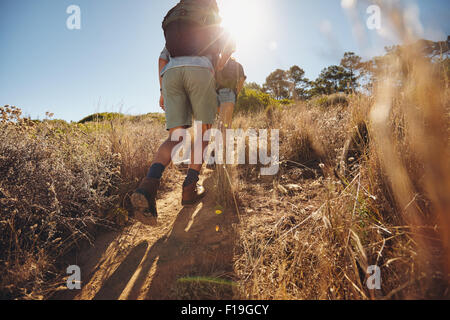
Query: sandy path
x: 163, y: 262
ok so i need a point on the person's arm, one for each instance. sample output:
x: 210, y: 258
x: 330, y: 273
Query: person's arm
x: 228, y: 48
x: 242, y: 78
x: 223, y: 59
x: 162, y: 64
x: 164, y: 59
x: 240, y: 86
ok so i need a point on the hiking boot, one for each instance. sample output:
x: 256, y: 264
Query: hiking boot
x: 192, y: 194
x: 144, y: 201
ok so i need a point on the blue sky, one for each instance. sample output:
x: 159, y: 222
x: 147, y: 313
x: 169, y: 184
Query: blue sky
x: 111, y: 63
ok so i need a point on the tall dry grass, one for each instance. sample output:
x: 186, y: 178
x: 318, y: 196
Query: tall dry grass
x: 410, y: 129
x: 136, y: 141
x: 312, y: 232
x: 309, y: 234
x: 54, y: 180
x: 59, y: 183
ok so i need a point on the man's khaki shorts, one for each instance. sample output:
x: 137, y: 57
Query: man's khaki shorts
x: 189, y: 92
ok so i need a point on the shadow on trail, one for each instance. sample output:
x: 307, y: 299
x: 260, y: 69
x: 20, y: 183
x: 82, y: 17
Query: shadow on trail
x: 115, y: 285
x: 190, y: 262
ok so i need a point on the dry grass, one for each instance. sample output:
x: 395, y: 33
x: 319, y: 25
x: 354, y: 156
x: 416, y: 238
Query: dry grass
x: 54, y: 180
x: 136, y: 141
x: 59, y: 182
x: 311, y: 234
x: 306, y: 233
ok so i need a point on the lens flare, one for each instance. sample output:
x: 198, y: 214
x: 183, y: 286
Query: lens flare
x: 244, y: 20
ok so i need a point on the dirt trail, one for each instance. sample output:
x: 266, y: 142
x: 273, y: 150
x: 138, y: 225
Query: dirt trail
x: 163, y: 262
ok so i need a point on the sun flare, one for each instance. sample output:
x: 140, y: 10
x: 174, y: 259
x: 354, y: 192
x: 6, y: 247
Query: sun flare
x: 243, y: 19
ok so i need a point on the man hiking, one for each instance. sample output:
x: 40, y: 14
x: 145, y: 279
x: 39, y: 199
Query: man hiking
x: 229, y: 83
x: 188, y: 89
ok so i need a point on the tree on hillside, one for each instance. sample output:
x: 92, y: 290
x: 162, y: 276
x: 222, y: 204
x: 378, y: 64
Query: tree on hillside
x: 354, y: 73
x: 277, y: 84
x: 436, y: 53
x: 366, y: 74
x: 332, y: 79
x: 253, y: 85
x: 298, y: 83
x: 290, y: 84
x: 352, y: 64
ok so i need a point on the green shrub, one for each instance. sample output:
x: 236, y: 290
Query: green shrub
x: 99, y: 117
x: 285, y: 102
x: 327, y: 101
x: 252, y: 100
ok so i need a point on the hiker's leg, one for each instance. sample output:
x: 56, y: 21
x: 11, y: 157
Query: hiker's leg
x: 225, y: 119
x: 222, y: 170
x: 226, y: 115
x: 178, y: 117
x: 201, y: 89
x: 164, y: 153
x: 192, y: 193
x: 144, y: 198
x: 227, y: 100
x: 199, y: 148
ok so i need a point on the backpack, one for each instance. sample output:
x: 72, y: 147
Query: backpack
x: 230, y: 75
x: 192, y: 28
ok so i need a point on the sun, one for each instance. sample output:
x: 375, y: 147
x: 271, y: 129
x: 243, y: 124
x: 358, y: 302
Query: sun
x: 243, y: 19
